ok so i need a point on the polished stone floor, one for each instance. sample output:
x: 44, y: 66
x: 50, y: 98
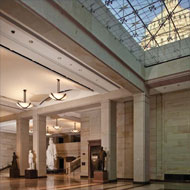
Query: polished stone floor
x: 63, y: 182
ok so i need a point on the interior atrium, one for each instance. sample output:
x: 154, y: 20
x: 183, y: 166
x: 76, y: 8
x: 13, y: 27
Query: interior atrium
x: 95, y: 94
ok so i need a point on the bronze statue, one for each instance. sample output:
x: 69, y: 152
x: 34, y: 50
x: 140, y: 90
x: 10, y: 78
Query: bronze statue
x: 101, y: 156
x: 14, y: 170
x: 14, y: 165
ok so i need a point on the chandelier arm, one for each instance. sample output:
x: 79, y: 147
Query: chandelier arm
x: 64, y: 96
x: 44, y: 100
x: 28, y: 106
x: 65, y: 90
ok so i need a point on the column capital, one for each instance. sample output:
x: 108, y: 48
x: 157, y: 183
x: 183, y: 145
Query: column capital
x: 141, y: 97
x: 105, y: 101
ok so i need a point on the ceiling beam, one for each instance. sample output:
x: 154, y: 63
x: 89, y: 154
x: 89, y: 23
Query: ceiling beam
x: 70, y: 118
x: 114, y: 62
x: 77, y: 105
x: 9, y: 117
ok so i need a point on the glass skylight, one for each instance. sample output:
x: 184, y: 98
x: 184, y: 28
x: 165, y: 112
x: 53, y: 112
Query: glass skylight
x: 144, y: 25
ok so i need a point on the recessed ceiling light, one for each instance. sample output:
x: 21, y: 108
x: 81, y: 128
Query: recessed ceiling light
x: 12, y: 31
x: 30, y: 41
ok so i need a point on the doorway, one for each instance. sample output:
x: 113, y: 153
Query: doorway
x: 61, y: 163
x: 94, y: 147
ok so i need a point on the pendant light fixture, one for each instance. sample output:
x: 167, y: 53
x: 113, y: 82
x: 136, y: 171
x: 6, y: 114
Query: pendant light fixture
x: 75, y: 130
x: 58, y: 95
x: 56, y: 126
x: 24, y: 104
x: 47, y: 133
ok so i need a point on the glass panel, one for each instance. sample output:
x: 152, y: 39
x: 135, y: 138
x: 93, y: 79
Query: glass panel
x: 143, y: 25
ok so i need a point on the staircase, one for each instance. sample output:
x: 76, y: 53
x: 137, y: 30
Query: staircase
x: 72, y: 166
x: 4, y: 171
x: 4, y: 168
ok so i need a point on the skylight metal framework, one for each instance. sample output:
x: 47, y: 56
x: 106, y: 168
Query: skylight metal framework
x: 144, y: 25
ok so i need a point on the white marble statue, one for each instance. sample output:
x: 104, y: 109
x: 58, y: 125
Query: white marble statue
x: 51, y: 155
x: 31, y: 160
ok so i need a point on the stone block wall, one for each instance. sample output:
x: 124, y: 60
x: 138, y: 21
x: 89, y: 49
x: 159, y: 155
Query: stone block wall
x: 71, y: 149
x: 90, y: 130
x: 7, y: 147
x: 170, y: 134
x: 125, y: 140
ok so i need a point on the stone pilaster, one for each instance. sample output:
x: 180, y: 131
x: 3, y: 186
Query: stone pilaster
x: 39, y: 143
x: 141, y: 138
x: 108, y: 136
x: 22, y: 143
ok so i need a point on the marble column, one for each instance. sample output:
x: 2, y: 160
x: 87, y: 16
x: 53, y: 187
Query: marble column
x: 22, y: 143
x: 39, y: 143
x: 141, y: 138
x: 108, y: 136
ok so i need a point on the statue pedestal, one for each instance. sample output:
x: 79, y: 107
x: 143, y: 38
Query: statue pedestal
x: 100, y: 176
x: 31, y: 174
x: 14, y: 173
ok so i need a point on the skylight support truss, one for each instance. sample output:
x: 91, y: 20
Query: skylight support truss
x: 176, y: 30
x: 144, y: 25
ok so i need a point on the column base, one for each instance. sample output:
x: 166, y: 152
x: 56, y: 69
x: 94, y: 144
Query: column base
x: 54, y: 171
x: 143, y: 183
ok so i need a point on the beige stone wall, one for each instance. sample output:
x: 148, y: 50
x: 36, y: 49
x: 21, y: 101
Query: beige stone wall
x: 170, y: 134
x: 90, y: 130
x: 71, y: 149
x: 156, y: 137
x: 8, y: 146
x: 125, y: 140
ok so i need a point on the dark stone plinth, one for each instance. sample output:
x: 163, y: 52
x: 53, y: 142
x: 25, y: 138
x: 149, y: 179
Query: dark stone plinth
x: 177, y: 177
x: 14, y: 173
x: 100, y: 176
x: 31, y: 174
